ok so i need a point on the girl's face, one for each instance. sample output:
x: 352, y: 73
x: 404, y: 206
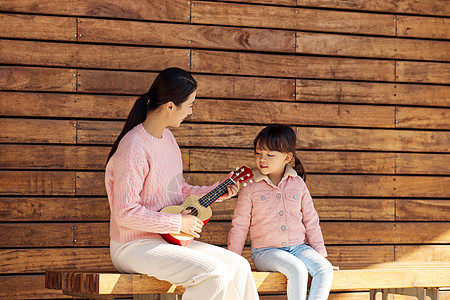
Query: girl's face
x: 271, y: 162
x: 182, y: 111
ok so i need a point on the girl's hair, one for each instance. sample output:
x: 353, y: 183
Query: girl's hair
x: 280, y: 138
x: 172, y: 84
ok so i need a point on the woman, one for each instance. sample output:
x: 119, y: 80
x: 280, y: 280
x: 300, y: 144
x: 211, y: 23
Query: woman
x: 144, y: 175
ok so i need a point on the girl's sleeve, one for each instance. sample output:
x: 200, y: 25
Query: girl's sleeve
x: 241, y: 221
x: 130, y: 171
x: 311, y: 223
x: 196, y: 190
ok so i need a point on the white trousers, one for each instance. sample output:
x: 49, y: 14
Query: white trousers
x: 206, y: 271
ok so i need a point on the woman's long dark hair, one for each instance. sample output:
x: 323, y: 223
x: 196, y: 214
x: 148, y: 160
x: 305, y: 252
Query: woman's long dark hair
x: 280, y: 138
x: 172, y: 84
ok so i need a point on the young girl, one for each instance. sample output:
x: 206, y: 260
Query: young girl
x: 278, y: 210
x: 144, y: 175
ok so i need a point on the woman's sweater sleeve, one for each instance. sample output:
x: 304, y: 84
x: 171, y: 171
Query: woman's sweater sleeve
x: 130, y: 170
x: 196, y: 190
x: 241, y: 221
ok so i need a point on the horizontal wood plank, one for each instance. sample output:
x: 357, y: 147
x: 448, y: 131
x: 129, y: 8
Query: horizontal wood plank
x: 53, y: 209
x: 378, y: 186
x: 413, y: 186
x: 219, y: 160
x: 372, y: 47
x: 25, y: 261
x: 23, y: 235
x: 38, y: 27
x: 21, y: 183
x: 255, y: 88
x: 53, y: 157
x: 92, y: 184
x: 160, y: 10
x: 423, y: 27
x: 29, y: 261
x: 415, y: 163
x: 272, y: 2
x: 425, y: 233
x: 136, y: 83
x: 423, y: 72
x: 209, y: 135
x: 313, y: 161
x: 14, y: 78
x: 185, y: 35
x: 59, y: 157
x: 422, y: 210
x: 115, y: 82
x: 361, y: 139
x: 246, y: 15
x: 357, y: 257
x: 65, y: 105
x: 438, y: 7
x: 19, y: 287
x: 371, y: 92
x: 91, y: 56
x: 410, y: 253
x: 204, y: 61
x: 235, y: 111
x: 37, y: 131
x: 341, y: 209
x: 426, y: 118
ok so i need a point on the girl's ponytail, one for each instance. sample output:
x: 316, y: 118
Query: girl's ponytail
x: 298, y: 167
x: 136, y: 116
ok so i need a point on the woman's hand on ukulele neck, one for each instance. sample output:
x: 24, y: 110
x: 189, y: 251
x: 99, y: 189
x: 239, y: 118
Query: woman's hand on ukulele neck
x: 232, y: 189
x: 190, y: 224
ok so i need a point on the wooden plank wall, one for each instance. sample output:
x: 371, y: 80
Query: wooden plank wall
x: 364, y: 83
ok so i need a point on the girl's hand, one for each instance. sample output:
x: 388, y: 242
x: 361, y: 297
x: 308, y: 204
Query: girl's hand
x: 232, y: 189
x: 190, y: 224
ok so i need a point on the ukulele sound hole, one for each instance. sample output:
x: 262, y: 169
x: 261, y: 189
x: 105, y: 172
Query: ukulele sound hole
x: 194, y: 211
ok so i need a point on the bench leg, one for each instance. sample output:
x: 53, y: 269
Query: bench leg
x: 157, y: 297
x: 419, y: 293
x: 433, y: 293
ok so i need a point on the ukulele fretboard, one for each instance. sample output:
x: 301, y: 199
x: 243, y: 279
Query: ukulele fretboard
x: 212, y: 196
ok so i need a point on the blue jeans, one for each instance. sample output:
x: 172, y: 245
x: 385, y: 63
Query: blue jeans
x: 296, y: 262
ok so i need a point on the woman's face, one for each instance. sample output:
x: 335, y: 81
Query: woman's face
x: 182, y: 111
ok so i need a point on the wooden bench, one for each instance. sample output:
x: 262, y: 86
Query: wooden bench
x: 412, y: 279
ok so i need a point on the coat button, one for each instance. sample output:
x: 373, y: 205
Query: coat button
x: 278, y: 195
x: 262, y: 198
x: 283, y: 227
x: 295, y: 196
x: 284, y: 244
x: 281, y: 213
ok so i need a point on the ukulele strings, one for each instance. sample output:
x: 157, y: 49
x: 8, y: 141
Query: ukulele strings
x: 212, y: 196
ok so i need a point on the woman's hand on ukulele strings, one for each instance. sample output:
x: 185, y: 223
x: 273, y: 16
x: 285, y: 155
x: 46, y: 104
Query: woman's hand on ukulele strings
x: 190, y: 224
x: 232, y: 189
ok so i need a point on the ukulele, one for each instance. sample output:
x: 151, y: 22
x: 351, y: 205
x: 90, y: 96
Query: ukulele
x: 200, y: 206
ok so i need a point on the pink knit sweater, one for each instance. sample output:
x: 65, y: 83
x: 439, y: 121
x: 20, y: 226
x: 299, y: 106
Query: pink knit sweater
x: 143, y: 176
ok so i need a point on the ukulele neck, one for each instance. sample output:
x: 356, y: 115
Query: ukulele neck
x: 212, y: 196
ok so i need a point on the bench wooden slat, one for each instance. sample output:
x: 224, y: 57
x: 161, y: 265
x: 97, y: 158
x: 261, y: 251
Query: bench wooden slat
x: 390, y: 275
